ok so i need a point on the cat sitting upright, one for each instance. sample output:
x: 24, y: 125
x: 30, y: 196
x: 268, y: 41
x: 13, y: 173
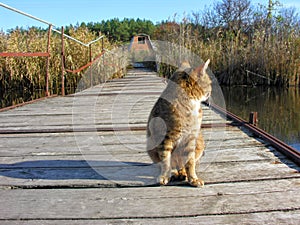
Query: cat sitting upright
x: 174, y: 139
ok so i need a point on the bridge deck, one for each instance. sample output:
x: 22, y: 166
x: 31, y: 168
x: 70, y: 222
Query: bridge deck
x: 81, y: 159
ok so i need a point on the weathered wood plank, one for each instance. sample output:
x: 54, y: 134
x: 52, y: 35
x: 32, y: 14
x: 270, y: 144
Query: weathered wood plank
x: 99, y: 172
x: 135, y: 153
x: 108, y: 203
x: 136, y: 113
x: 65, y: 143
x: 278, y: 217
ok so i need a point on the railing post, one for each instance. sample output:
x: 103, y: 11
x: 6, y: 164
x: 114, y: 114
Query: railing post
x: 48, y: 61
x: 103, y: 59
x: 62, y: 62
x: 90, y: 58
x: 253, y: 120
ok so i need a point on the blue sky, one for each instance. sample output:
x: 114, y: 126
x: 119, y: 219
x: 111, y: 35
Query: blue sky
x: 65, y: 12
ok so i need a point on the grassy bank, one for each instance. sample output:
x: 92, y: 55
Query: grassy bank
x: 19, y: 73
x: 239, y: 37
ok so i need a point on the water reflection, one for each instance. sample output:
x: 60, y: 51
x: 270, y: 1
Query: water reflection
x: 278, y: 109
x: 14, y: 97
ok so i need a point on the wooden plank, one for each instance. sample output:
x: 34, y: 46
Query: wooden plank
x: 60, y: 119
x: 156, y: 202
x: 10, y: 144
x: 278, y: 217
x: 105, y: 171
x: 135, y: 152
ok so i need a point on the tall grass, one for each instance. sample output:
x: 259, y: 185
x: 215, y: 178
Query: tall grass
x: 28, y: 73
x: 253, y: 40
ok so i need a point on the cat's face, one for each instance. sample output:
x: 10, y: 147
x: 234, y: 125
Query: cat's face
x: 203, y: 80
x: 205, y: 84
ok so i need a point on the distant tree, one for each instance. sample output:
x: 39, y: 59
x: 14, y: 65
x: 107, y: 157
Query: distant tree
x: 122, y: 30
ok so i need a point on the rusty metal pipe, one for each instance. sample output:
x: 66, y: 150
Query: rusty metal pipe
x: 62, y: 62
x: 48, y: 61
x: 282, y: 147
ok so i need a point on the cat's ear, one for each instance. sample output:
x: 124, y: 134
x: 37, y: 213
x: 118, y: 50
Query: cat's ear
x: 201, y: 70
x: 205, y: 66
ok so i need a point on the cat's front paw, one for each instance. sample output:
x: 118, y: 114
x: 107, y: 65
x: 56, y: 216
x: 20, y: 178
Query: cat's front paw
x: 179, y: 175
x: 163, y: 180
x: 196, y: 182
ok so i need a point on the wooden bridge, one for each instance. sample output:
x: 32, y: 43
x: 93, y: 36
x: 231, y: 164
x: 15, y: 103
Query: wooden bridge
x: 81, y: 159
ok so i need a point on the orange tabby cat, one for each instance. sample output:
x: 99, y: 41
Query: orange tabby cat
x: 174, y: 139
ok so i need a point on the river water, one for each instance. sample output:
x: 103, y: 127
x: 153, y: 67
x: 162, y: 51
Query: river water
x: 278, y: 109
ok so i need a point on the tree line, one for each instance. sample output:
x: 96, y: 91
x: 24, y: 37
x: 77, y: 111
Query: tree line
x: 248, y: 44
x: 119, y: 30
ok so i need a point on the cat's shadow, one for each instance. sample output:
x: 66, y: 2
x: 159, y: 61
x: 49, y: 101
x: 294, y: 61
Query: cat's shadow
x: 82, y: 171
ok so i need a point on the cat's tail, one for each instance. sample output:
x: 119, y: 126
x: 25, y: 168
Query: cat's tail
x: 152, y: 147
x: 154, y: 155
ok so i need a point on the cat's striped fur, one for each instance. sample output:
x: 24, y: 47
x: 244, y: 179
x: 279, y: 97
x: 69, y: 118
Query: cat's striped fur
x: 174, y: 138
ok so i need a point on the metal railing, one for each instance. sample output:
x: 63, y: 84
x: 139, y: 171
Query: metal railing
x: 47, y: 54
